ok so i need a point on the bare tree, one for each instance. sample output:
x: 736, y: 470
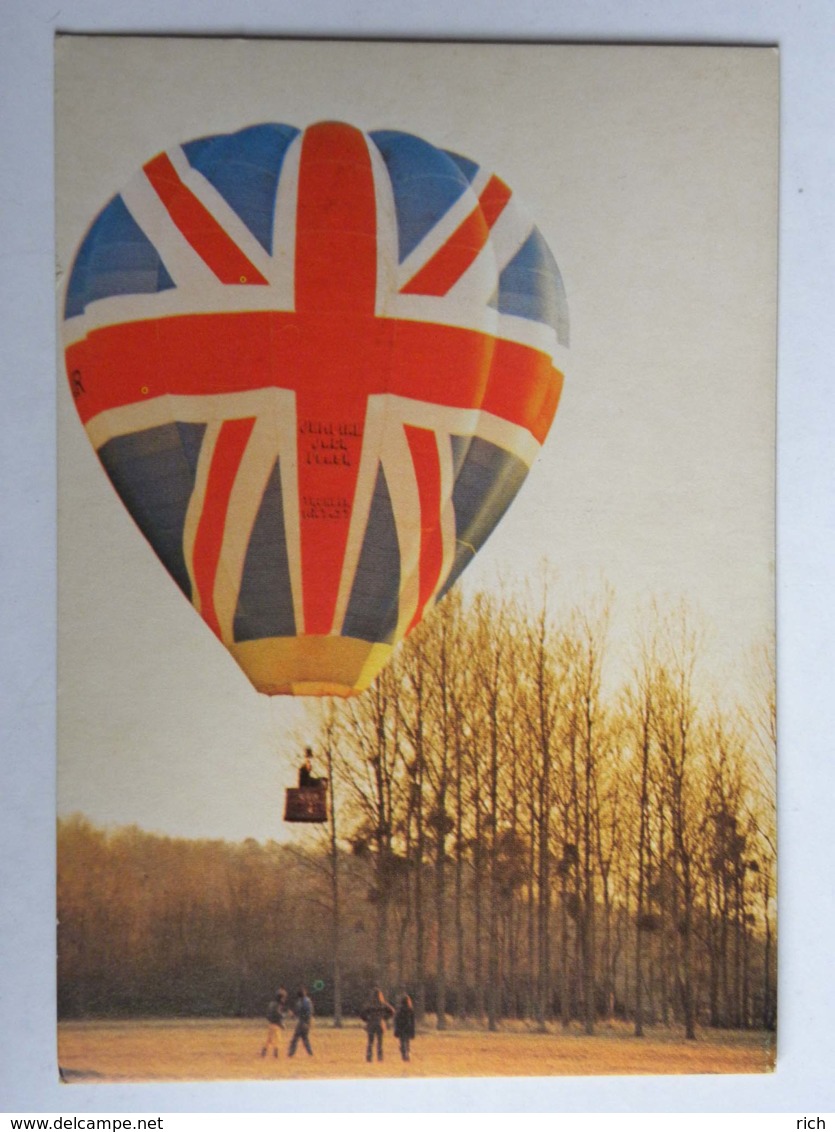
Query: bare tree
x: 491, y: 685
x: 330, y: 738
x: 376, y: 784
x: 675, y: 729
x: 546, y: 670
x: 589, y: 640
x: 640, y: 710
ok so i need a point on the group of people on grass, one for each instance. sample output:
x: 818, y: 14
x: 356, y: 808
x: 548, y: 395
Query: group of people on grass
x: 377, y: 1014
x: 277, y: 1011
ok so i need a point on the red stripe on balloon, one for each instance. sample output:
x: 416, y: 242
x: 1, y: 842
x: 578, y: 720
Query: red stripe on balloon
x: 229, y: 353
x: 345, y: 353
x: 449, y: 263
x: 423, y: 446
x: 336, y: 222
x: 226, y: 459
x: 214, y: 246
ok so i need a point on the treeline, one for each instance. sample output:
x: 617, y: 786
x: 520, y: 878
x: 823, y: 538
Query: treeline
x: 511, y: 835
x: 538, y: 847
x: 151, y: 925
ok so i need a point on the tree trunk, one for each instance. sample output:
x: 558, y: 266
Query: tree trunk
x: 493, y: 887
x: 460, y: 960
x: 544, y: 905
x: 336, y: 914
x: 440, y: 916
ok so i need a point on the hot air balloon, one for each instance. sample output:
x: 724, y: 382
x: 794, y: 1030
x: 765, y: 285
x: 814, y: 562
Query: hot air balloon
x: 316, y: 365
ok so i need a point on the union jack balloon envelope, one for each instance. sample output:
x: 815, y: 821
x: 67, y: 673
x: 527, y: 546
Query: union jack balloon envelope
x: 317, y: 366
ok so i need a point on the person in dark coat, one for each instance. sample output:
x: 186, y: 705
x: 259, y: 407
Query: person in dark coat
x: 306, y: 775
x: 404, y: 1025
x: 376, y: 1015
x: 276, y: 1010
x: 304, y: 1017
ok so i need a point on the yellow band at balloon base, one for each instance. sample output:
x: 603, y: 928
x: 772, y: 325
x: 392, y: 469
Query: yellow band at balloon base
x: 310, y: 665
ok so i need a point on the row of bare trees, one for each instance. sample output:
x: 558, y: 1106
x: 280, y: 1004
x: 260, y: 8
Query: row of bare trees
x: 514, y: 833
x: 540, y: 844
x: 151, y: 925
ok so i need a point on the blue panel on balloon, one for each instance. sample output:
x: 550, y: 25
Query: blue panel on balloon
x: 426, y: 183
x: 487, y: 480
x: 531, y: 286
x: 373, y: 608
x: 245, y: 168
x: 265, y: 603
x: 116, y: 258
x: 154, y: 471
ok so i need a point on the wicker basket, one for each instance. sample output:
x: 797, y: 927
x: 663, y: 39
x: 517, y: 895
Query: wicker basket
x: 306, y: 803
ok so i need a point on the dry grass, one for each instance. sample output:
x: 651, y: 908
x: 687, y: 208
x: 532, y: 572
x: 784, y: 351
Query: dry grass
x: 221, y: 1050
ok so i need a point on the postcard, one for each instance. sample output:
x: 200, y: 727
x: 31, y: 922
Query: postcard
x: 416, y: 559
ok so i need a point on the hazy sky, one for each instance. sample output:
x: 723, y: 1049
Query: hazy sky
x: 652, y: 174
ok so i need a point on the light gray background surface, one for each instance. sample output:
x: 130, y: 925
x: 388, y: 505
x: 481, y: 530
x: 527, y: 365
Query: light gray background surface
x: 803, y: 1081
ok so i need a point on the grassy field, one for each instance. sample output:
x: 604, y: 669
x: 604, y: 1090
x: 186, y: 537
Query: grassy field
x: 222, y: 1050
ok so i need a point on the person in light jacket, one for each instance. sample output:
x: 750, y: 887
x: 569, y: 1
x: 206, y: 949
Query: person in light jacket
x: 275, y: 1021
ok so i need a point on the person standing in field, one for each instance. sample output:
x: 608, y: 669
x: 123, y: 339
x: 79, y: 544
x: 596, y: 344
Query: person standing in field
x: 376, y: 1014
x: 276, y: 1010
x: 404, y: 1025
x: 304, y: 1017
